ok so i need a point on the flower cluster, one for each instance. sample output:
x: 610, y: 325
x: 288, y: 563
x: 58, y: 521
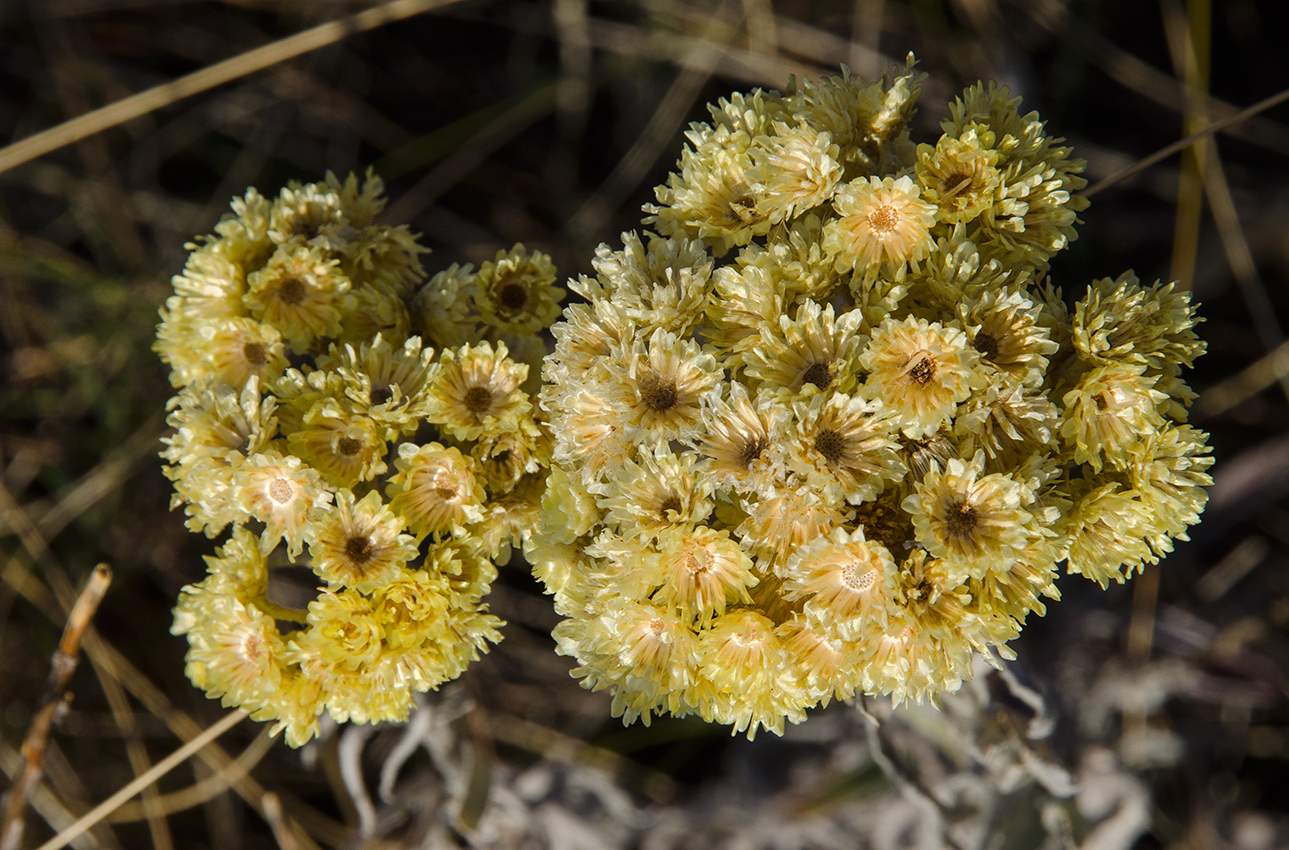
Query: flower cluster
x: 827, y: 428
x: 369, y: 484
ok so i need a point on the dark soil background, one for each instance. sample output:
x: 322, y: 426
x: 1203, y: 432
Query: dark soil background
x: 548, y: 123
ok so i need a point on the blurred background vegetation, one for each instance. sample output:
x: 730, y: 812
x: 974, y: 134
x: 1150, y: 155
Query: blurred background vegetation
x: 1152, y: 715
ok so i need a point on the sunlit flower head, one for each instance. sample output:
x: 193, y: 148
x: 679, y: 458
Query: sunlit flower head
x: 346, y: 448
x: 282, y: 493
x: 796, y: 168
x: 659, y: 490
x: 815, y: 351
x: 1007, y: 422
x: 921, y: 370
x: 1106, y: 532
x: 741, y: 440
x: 436, y: 489
x: 843, y: 447
x: 777, y: 524
x: 299, y: 293
x: 475, y: 390
x: 382, y: 379
x: 660, y: 383
x: 880, y: 220
x: 703, y: 571
x: 961, y: 175
x: 652, y: 282
x: 1112, y: 407
x: 590, y: 433
x: 846, y: 581
x: 1004, y: 328
x: 741, y: 677
x: 974, y: 522
x: 746, y: 300
x: 358, y: 544
x: 1121, y: 320
x: 227, y: 351
x: 712, y: 197
x: 235, y: 652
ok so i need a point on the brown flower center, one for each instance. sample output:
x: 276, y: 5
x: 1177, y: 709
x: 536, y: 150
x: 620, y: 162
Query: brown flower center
x: 987, y: 344
x: 884, y: 219
x: 281, y: 491
x: 445, y: 492
x: 659, y: 394
x: 291, y: 291
x: 512, y: 299
x: 818, y: 374
x: 952, y: 184
x: 1102, y: 404
x: 751, y: 452
x: 477, y: 399
x: 923, y: 371
x: 256, y: 353
x: 348, y: 446
x: 831, y: 445
x: 359, y: 549
x: 672, y: 503
x: 380, y: 395
x: 960, y: 520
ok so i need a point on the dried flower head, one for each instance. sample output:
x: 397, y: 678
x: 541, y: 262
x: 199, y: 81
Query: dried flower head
x: 880, y: 220
x: 853, y: 455
x: 295, y: 451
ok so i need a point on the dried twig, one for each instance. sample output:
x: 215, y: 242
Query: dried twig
x: 1181, y: 144
x: 207, y: 78
x: 53, y: 703
x: 161, y: 768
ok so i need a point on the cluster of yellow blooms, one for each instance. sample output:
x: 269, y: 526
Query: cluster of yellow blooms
x: 827, y: 428
x: 314, y: 418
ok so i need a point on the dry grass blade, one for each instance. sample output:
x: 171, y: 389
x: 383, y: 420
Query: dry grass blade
x: 631, y: 168
x: 161, y: 768
x: 208, y: 788
x: 1181, y: 144
x: 208, y: 78
x: 1244, y: 385
x: 53, y: 702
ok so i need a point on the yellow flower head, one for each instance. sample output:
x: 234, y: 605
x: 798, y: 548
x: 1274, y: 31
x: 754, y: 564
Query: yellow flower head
x: 961, y: 175
x: 436, y: 489
x: 974, y: 522
x: 740, y: 441
x: 816, y: 351
x: 282, y: 493
x: 475, y: 391
x: 660, y: 384
x: 846, y: 582
x: 880, y: 220
x: 703, y: 570
x: 298, y: 292
x: 358, y: 544
x: 515, y: 292
x: 346, y: 448
x: 843, y: 448
x: 1110, y: 409
x: 921, y: 370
